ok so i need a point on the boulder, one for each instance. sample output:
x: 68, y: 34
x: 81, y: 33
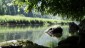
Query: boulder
x: 82, y: 34
x: 56, y: 32
x: 74, y: 41
x: 73, y: 28
x: 70, y: 42
x: 82, y: 27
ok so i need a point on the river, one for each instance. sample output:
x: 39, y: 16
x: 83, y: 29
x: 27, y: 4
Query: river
x: 33, y: 33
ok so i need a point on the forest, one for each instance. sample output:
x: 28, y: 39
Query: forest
x: 42, y: 23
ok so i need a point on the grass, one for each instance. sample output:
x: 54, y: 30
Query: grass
x: 21, y: 20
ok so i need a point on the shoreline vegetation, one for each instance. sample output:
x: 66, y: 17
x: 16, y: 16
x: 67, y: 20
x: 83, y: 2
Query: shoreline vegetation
x: 8, y: 20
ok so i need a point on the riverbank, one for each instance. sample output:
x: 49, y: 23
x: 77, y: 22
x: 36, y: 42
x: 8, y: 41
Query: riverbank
x: 20, y: 44
x: 21, y: 20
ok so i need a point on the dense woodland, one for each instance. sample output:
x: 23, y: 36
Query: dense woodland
x: 73, y: 9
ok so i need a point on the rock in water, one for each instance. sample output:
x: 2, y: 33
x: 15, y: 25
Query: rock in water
x: 56, y: 32
x: 73, y: 28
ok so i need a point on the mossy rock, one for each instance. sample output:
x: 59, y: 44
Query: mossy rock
x: 20, y: 44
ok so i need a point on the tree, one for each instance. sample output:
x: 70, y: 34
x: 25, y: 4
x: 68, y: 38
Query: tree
x: 74, y: 9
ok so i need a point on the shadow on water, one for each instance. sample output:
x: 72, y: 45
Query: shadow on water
x: 34, y: 33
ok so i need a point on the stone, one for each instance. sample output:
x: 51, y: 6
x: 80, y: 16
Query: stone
x: 73, y: 28
x: 56, y: 32
x: 70, y: 42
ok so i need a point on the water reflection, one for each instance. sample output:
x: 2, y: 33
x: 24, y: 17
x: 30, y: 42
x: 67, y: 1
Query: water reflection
x: 33, y: 33
x: 29, y: 32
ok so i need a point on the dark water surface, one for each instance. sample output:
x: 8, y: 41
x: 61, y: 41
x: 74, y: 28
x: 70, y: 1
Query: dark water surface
x: 34, y: 33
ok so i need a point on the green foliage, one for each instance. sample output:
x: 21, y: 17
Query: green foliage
x: 74, y: 9
x: 17, y: 20
x: 30, y: 4
x: 21, y: 20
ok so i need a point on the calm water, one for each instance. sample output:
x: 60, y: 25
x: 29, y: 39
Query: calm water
x: 34, y: 33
